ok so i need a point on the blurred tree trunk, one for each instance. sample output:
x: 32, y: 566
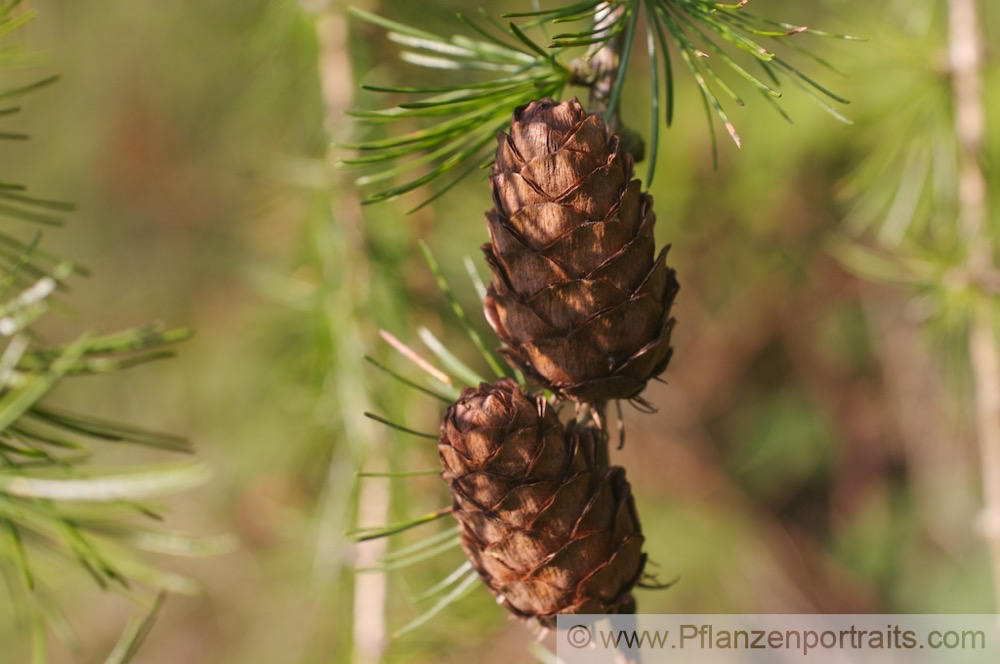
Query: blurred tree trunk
x: 363, y: 443
x: 966, y: 59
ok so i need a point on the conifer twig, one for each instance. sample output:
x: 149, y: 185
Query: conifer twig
x: 605, y: 64
x: 966, y: 60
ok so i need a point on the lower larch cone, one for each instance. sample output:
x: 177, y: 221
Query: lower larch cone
x: 549, y: 525
x: 579, y: 296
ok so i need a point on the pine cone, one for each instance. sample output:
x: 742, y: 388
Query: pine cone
x: 578, y: 297
x: 549, y: 526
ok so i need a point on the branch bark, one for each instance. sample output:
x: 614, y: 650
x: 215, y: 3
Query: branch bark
x: 604, y: 63
x: 966, y: 60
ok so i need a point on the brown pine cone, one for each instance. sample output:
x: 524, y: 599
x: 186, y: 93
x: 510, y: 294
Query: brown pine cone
x: 549, y: 526
x: 578, y: 296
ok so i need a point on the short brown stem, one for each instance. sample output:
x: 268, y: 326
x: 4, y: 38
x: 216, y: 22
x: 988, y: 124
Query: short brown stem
x: 604, y: 64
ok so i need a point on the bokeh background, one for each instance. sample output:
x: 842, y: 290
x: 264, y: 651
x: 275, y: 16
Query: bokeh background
x: 813, y: 449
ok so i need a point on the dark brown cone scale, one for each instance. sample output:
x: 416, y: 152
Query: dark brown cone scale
x: 548, y: 524
x: 579, y: 295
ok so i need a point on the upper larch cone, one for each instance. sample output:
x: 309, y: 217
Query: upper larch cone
x: 548, y: 524
x: 579, y: 295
